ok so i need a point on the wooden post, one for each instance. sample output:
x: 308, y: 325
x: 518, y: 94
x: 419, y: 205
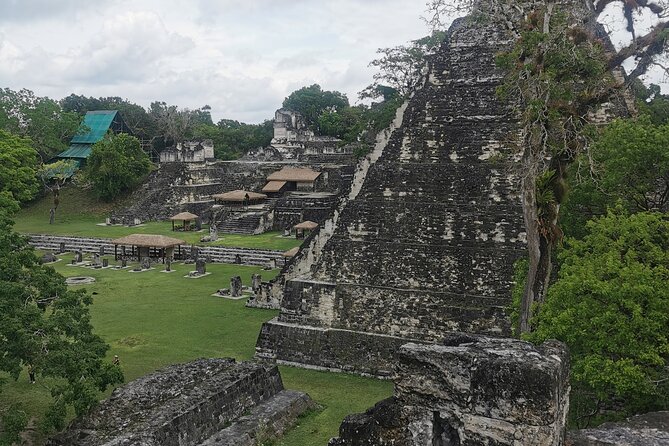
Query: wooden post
x: 115, y: 253
x: 172, y: 225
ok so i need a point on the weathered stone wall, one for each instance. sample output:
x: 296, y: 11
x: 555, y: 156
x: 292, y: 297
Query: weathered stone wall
x: 651, y: 429
x: 472, y: 391
x: 298, y: 207
x: 427, y: 244
x: 177, y: 187
x: 186, y: 404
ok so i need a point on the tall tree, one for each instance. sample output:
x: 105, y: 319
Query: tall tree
x: 46, y: 327
x: 401, y: 67
x: 561, y: 71
x: 39, y: 118
x: 18, y: 167
x: 610, y: 305
x: 312, y: 101
x: 117, y: 165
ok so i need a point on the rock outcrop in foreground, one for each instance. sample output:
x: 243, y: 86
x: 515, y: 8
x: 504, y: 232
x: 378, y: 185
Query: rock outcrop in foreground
x: 203, y: 403
x: 472, y: 391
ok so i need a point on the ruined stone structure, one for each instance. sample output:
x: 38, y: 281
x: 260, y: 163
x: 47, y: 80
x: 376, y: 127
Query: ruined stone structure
x: 426, y: 242
x: 294, y: 140
x: 469, y: 391
x: 204, y: 403
x: 651, y: 429
x: 178, y: 187
x: 189, y: 152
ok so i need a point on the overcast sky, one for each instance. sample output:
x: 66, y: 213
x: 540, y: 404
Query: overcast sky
x: 240, y: 57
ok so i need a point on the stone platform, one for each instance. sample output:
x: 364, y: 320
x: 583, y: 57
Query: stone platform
x: 470, y: 391
x: 205, y: 402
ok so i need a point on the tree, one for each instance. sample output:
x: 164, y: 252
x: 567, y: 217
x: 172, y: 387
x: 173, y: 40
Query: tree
x: 610, y: 305
x: 347, y: 124
x: 233, y: 138
x: 117, y: 165
x: 629, y: 166
x: 401, y: 67
x: 39, y: 118
x: 18, y: 166
x: 46, y: 326
x: 312, y: 101
x: 54, y: 176
x: 559, y: 73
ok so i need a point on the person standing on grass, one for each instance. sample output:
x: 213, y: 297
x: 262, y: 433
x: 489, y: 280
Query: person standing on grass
x: 116, y: 360
x: 31, y: 373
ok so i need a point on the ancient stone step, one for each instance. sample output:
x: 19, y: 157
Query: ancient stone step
x: 267, y: 420
x: 190, y: 405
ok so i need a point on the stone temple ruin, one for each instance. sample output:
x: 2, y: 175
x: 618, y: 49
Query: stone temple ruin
x: 189, y: 152
x: 294, y: 140
x: 426, y: 242
x: 189, y: 179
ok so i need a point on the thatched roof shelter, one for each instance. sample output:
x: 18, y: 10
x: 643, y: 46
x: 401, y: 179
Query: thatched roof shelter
x: 309, y: 225
x: 148, y: 241
x: 294, y: 174
x: 291, y: 252
x: 184, y: 216
x: 238, y: 196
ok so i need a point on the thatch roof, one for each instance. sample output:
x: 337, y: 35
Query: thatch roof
x: 238, y: 196
x: 291, y: 252
x: 306, y: 225
x: 185, y: 216
x: 148, y: 240
x: 273, y: 186
x: 294, y: 174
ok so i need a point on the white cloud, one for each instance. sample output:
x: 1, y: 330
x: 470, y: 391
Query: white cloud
x: 241, y: 58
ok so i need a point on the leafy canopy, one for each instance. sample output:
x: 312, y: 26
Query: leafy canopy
x: 39, y: 118
x: 628, y: 164
x: 18, y: 163
x: 610, y: 305
x: 45, y: 325
x: 312, y: 101
x: 117, y: 165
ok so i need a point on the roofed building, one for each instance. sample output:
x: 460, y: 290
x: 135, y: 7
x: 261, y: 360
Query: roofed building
x: 292, y: 178
x: 94, y: 127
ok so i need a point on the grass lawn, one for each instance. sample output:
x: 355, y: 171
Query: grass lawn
x: 152, y: 319
x: 79, y: 214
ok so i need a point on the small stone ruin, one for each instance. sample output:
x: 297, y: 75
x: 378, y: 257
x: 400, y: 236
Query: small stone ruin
x: 79, y: 280
x: 651, y: 429
x: 49, y: 257
x: 203, y: 403
x: 235, y: 286
x: 469, y: 391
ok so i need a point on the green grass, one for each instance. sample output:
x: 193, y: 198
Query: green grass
x: 152, y: 319
x: 79, y: 214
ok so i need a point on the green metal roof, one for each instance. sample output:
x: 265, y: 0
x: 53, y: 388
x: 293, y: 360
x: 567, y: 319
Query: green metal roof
x: 77, y: 151
x: 95, y: 126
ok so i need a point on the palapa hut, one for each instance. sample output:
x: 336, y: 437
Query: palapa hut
x: 240, y: 197
x: 186, y: 218
x: 301, y: 228
x: 148, y: 245
x: 291, y: 178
